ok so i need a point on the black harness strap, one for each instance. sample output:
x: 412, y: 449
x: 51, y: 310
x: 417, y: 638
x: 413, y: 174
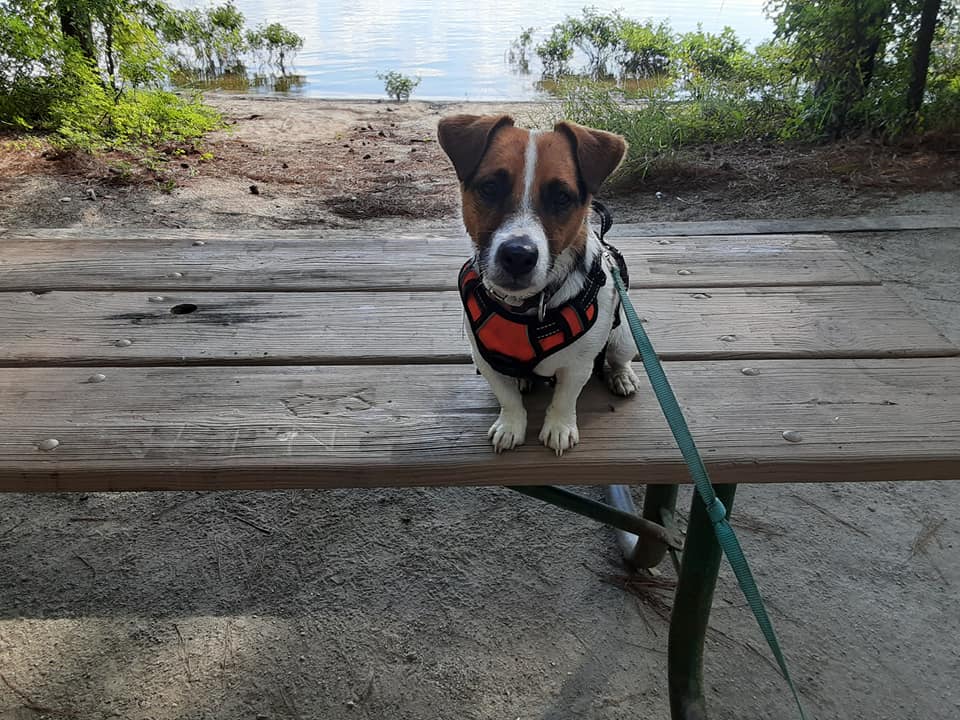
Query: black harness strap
x: 514, y: 343
x: 606, y: 222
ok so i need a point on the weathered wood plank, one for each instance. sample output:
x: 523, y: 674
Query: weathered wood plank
x: 137, y: 261
x: 243, y: 427
x: 90, y: 328
x: 862, y: 223
x: 856, y: 223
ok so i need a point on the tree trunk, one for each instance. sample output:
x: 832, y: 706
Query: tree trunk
x: 76, y: 24
x: 111, y: 65
x: 921, y: 60
x: 875, y: 23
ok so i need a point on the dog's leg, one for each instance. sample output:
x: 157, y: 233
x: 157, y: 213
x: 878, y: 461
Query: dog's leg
x: 559, y: 430
x: 621, y: 350
x: 510, y: 428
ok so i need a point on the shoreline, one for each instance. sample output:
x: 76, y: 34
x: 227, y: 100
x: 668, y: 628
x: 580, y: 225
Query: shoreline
x: 323, y: 162
x: 427, y: 101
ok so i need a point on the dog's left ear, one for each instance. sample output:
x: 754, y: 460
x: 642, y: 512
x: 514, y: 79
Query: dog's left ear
x: 598, y: 153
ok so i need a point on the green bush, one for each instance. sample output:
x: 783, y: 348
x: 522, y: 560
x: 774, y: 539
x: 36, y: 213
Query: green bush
x: 856, y: 63
x: 834, y: 67
x: 597, y: 36
x: 397, y: 85
x: 706, y: 87
x: 276, y: 42
x: 138, y: 117
x: 646, y: 50
x: 942, y: 109
x: 210, y: 41
x: 706, y: 55
x: 555, y: 53
x: 621, y: 47
x: 94, y: 72
x: 518, y: 54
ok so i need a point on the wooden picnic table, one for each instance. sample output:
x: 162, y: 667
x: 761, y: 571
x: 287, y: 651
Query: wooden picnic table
x: 210, y: 360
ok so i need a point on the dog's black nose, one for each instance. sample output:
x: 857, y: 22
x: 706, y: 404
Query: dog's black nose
x: 518, y: 256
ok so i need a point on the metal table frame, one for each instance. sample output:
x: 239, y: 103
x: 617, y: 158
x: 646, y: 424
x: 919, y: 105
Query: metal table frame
x: 644, y: 540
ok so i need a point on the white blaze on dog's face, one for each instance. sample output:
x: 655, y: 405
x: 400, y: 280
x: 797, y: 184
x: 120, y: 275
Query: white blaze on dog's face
x: 526, y: 194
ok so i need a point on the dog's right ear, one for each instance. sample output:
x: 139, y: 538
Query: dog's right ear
x: 465, y: 138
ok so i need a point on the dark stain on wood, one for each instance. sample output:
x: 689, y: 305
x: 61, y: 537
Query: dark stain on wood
x: 219, y: 314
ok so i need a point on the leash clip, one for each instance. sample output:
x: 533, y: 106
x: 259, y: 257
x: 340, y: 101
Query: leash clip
x: 542, y: 308
x: 609, y: 261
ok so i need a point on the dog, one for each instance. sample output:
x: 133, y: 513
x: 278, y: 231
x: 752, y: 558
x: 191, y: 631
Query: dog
x: 539, y: 300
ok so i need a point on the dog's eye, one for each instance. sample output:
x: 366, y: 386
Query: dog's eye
x: 560, y: 199
x: 489, y: 190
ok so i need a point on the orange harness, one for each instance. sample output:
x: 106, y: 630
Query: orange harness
x: 514, y: 343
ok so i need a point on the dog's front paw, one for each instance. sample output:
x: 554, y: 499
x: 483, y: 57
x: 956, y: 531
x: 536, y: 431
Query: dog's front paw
x: 560, y: 434
x: 508, y: 431
x: 623, y: 381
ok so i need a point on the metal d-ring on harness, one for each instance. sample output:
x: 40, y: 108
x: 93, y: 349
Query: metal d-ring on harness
x: 698, y: 472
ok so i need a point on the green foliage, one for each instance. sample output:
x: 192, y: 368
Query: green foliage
x: 854, y: 60
x: 942, y: 109
x: 211, y: 40
x: 50, y: 82
x: 715, y: 57
x: 276, y: 42
x: 397, y: 85
x: 555, y: 52
x: 837, y: 47
x: 646, y: 50
x: 834, y: 67
x: 518, y: 54
x: 93, y: 71
x: 700, y: 86
x: 658, y: 123
x: 612, y: 44
x: 596, y: 35
x: 139, y: 117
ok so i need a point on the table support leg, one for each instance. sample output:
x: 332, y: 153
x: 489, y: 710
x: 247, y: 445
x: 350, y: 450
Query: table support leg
x: 691, y: 610
x: 657, y: 499
x: 640, y: 552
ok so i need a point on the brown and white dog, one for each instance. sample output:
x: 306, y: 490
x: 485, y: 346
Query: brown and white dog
x: 526, y: 205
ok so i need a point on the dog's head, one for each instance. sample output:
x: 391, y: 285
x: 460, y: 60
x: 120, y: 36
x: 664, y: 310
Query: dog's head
x: 526, y: 194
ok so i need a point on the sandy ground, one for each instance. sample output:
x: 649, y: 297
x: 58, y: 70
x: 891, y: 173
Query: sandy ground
x: 325, y: 163
x: 465, y: 603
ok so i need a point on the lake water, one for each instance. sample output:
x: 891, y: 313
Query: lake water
x: 457, y: 47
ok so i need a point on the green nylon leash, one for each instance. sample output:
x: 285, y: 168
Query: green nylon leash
x: 715, y: 509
